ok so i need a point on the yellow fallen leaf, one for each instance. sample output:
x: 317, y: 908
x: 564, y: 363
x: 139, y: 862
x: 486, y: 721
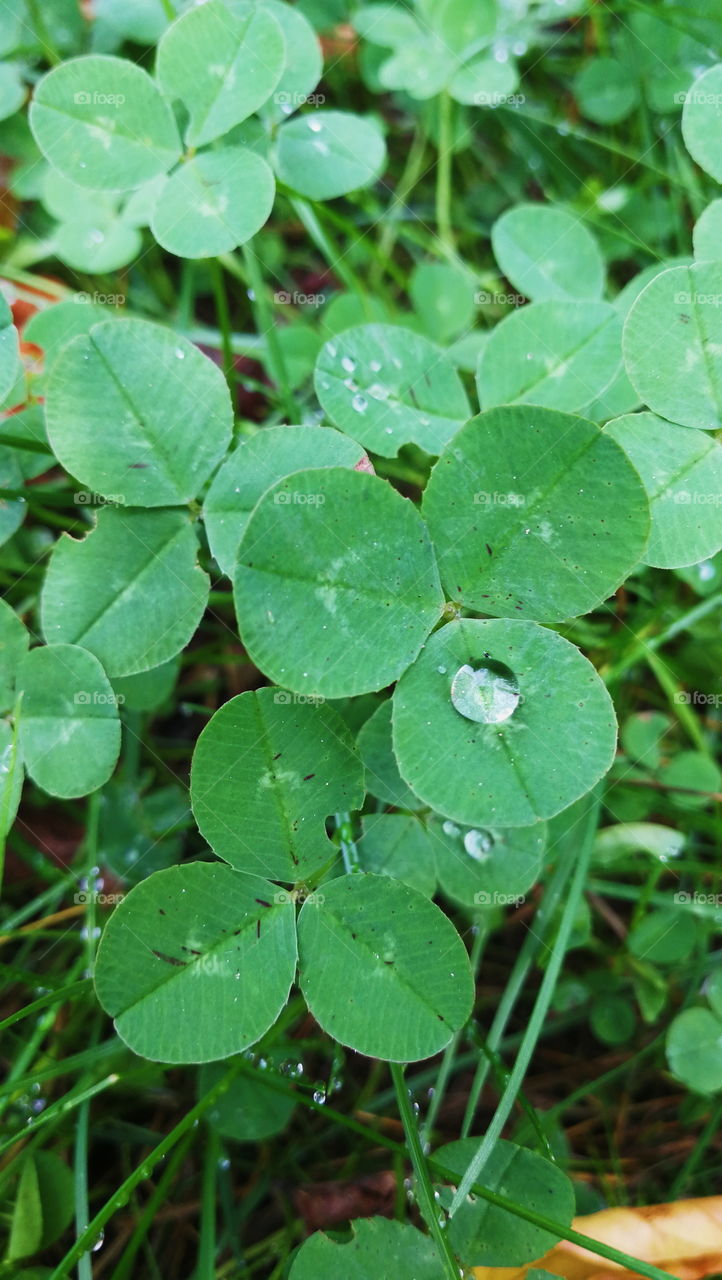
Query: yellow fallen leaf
x: 684, y: 1238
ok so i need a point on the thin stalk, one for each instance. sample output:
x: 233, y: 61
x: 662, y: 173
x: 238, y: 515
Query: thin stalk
x: 72, y: 992
x: 224, y: 321
x: 443, y: 173
x: 410, y: 176
x: 578, y: 855
x: 207, y: 1246
x: 447, y: 1062
x: 139, y: 1174
x: 266, y: 326
x: 424, y: 1188
x: 349, y: 852
x: 158, y: 1197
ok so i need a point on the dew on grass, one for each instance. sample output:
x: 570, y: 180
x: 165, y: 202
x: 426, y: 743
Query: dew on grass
x: 487, y: 695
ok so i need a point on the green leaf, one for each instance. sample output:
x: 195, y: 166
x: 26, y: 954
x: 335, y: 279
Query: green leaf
x: 55, y: 326
x: 250, y: 1110
x: 69, y: 727
x: 98, y: 245
x: 642, y: 736
x: 487, y: 868
x: 486, y: 1236
x: 560, y: 354
x: 136, y: 833
x: 681, y: 470
x: 147, y: 690
x: 193, y: 966
x: 382, y: 969
x: 103, y: 123
x: 485, y: 82
x: 14, y: 641
x: 330, y: 607
x: 304, y: 57
x: 612, y: 1019
x: 624, y: 838
x: 26, y: 1227
x: 11, y: 775
x: 222, y: 62
x: 518, y: 507
x: 553, y: 749
x: 605, y: 91
x: 383, y: 779
x: 388, y: 386
x: 324, y: 154
x: 673, y: 345
x: 255, y: 465
x: 664, y: 937
x: 12, y: 510
x: 9, y: 354
x: 707, y: 233
x: 694, y: 1050
x: 130, y: 591
x: 422, y: 68
x: 138, y: 413
x: 702, y: 121
x: 443, y: 298
x: 547, y: 252
x: 213, y: 202
x: 376, y: 1247
x: 268, y: 769
x: 694, y: 771
x: 12, y: 90
x: 397, y: 845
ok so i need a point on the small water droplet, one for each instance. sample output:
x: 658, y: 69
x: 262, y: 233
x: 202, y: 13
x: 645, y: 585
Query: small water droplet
x: 478, y: 845
x: 348, y: 364
x: 180, y: 353
x: 359, y: 404
x: 487, y: 695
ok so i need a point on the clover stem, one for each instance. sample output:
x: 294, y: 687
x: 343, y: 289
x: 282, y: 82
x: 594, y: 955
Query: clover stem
x: 443, y: 174
x: 424, y: 1187
x: 349, y: 852
x: 266, y: 326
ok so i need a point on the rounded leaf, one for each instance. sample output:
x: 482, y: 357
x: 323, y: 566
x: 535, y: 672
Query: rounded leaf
x: 694, y: 1050
x: 14, y: 641
x: 257, y: 463
x: 605, y: 91
x: 9, y: 353
x: 560, y: 354
x: 383, y: 779
x: 268, y: 769
x: 388, y: 386
x: 554, y: 748
x: 250, y: 1110
x: 222, y: 62
x: 487, y: 1236
x: 324, y: 154
x: 547, y: 252
x: 397, y: 845
x: 138, y: 413
x: 519, y: 510
x: 336, y: 586
x: 213, y: 202
x: 707, y: 233
x: 130, y: 591
x: 487, y: 868
x: 374, y: 1242
x: 681, y: 470
x: 196, y: 963
x: 382, y: 969
x: 303, y: 65
x: 673, y: 345
x: 702, y: 121
x: 69, y: 726
x: 103, y: 123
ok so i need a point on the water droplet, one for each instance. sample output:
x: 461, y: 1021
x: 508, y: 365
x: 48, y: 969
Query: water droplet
x: 98, y: 1242
x: 314, y: 125
x: 450, y: 828
x: 319, y: 1093
x: 478, y: 845
x: 375, y: 366
x: 488, y: 695
x: 180, y: 353
x: 359, y: 404
x: 348, y: 364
